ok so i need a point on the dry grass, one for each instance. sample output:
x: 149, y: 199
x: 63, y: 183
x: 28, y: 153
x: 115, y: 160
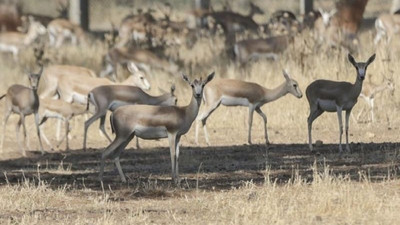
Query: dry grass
x: 323, y: 198
x: 328, y: 199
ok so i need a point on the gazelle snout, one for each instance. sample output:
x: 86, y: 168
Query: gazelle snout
x: 361, y: 73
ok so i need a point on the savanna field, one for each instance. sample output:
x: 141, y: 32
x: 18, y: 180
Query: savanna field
x: 229, y: 181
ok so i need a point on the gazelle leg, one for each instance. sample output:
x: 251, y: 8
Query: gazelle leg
x: 38, y: 132
x: 261, y: 113
x: 177, y: 144
x: 22, y: 116
x: 137, y: 143
x: 348, y: 112
x: 6, y: 116
x: 103, y: 130
x: 117, y: 161
x: 314, y: 113
x: 250, y: 123
x: 172, y: 149
x: 203, y: 118
x: 46, y: 140
x: 58, y: 132
x: 87, y: 124
x: 340, y: 121
x: 66, y: 134
x: 360, y: 113
x: 372, y: 111
x: 118, y: 141
x: 17, y: 127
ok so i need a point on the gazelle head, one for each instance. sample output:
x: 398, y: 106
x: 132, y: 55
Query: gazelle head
x: 255, y: 9
x: 361, y: 67
x: 34, y: 78
x: 172, y: 99
x: 198, y: 85
x: 389, y: 83
x: 292, y: 85
x: 35, y: 27
x: 139, y: 78
x: 326, y: 16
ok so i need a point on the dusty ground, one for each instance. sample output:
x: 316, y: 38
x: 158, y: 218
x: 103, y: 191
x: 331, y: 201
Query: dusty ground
x: 375, y: 150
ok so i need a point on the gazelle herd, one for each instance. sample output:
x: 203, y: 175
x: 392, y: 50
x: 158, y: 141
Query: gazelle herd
x: 69, y: 90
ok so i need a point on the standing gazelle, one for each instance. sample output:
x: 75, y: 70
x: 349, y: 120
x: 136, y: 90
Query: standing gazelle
x: 369, y: 93
x: 23, y: 101
x: 154, y: 122
x: 231, y: 92
x: 334, y: 96
x: 110, y: 97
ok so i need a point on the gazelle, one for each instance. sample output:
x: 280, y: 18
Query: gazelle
x: 233, y: 22
x: 253, y: 49
x: 141, y: 57
x: 326, y: 28
x: 111, y: 97
x: 23, y: 101
x: 386, y: 25
x: 60, y: 29
x: 15, y: 41
x: 334, y: 96
x: 75, y: 88
x: 53, y: 73
x: 231, y: 92
x: 135, y: 27
x: 154, y: 122
x: 369, y: 93
x: 59, y: 109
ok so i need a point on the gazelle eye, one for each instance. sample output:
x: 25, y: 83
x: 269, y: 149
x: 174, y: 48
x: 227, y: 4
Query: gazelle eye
x: 295, y: 85
x: 141, y: 78
x: 192, y: 85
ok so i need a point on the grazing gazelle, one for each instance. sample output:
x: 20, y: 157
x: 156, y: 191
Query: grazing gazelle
x: 154, y: 122
x: 59, y: 109
x: 231, y: 92
x: 75, y: 88
x: 110, y: 97
x: 253, y: 49
x: 369, y: 93
x: 141, y: 57
x: 334, y: 96
x: 53, y: 73
x: 60, y: 29
x: 23, y: 101
x: 15, y: 41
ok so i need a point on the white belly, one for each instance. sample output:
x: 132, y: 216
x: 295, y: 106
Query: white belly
x: 150, y: 132
x: 8, y: 48
x: 52, y: 114
x: 79, y: 98
x: 232, y: 101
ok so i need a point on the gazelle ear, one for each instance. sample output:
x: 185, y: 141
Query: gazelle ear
x: 185, y: 78
x: 333, y: 12
x: 31, y: 19
x: 351, y: 60
x: 286, y: 74
x: 371, y: 59
x: 132, y: 67
x: 209, y: 78
x: 321, y: 11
